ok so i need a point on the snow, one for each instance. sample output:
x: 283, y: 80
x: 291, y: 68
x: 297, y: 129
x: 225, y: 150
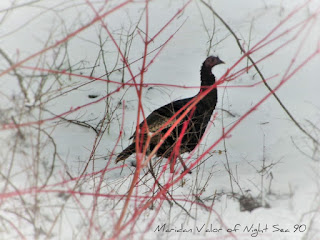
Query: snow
x: 59, y: 179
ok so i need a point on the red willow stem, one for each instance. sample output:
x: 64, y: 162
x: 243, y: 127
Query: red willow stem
x: 140, y: 109
x: 230, y: 78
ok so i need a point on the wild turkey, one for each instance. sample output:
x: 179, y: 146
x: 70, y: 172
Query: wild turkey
x: 188, y: 132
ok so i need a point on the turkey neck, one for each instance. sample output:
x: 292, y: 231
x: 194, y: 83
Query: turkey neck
x: 207, y: 80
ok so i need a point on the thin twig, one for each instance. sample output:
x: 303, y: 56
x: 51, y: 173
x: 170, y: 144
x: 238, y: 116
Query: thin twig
x: 74, y: 121
x: 167, y: 192
x: 19, y: 77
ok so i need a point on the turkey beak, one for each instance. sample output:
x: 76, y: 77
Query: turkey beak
x: 220, y: 62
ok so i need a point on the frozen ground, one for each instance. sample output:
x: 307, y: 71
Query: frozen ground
x: 60, y: 126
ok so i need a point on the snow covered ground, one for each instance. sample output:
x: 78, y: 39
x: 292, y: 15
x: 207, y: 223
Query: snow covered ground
x: 61, y: 121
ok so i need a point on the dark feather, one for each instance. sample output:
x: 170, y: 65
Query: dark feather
x: 196, y: 120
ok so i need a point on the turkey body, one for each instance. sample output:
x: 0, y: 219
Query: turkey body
x: 188, y: 132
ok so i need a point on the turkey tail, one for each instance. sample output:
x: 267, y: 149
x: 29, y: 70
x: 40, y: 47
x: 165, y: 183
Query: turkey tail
x: 126, y: 152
